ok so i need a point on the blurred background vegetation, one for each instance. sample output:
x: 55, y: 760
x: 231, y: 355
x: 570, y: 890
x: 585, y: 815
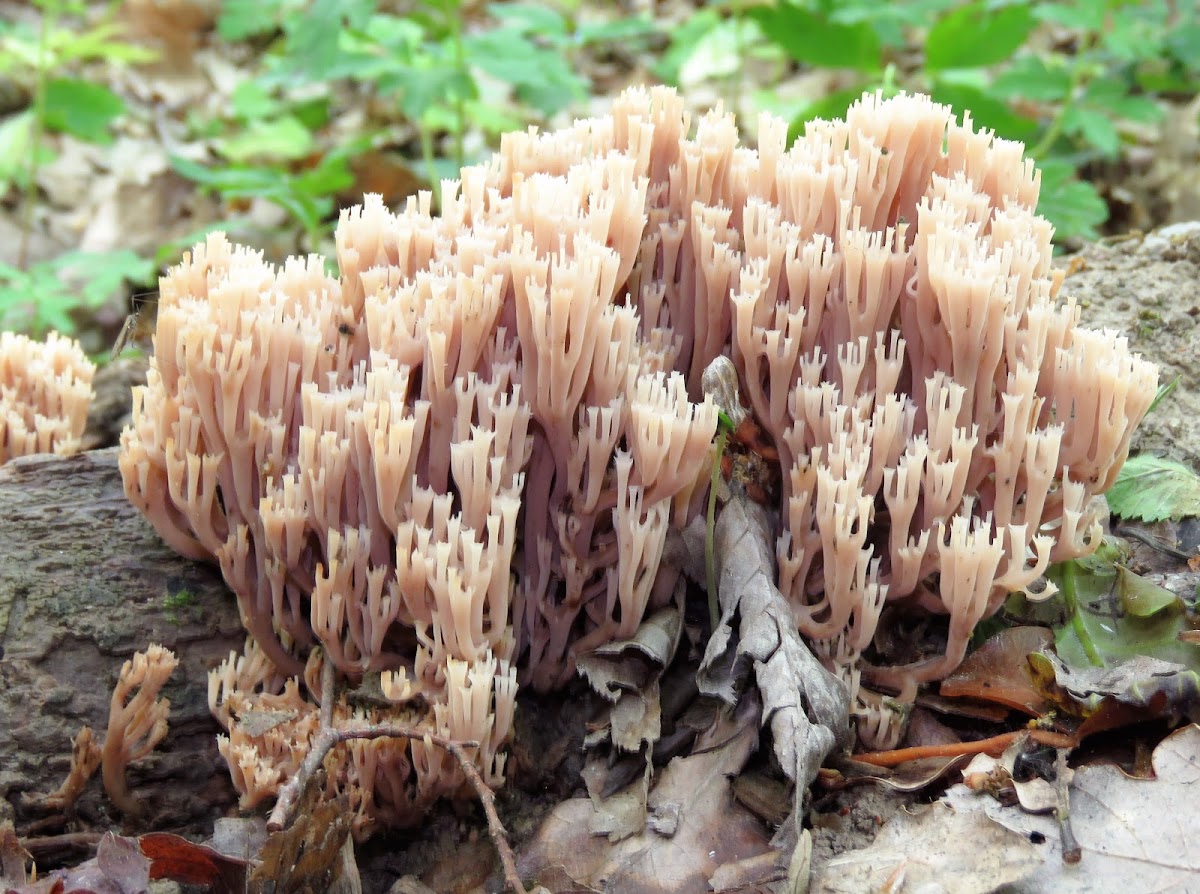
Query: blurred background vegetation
x: 129, y: 128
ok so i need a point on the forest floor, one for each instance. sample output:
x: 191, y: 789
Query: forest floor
x: 868, y: 830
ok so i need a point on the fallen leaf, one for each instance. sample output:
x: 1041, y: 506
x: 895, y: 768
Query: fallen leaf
x: 910, y: 776
x: 1135, y: 834
x: 117, y: 868
x: 175, y: 858
x: 998, y: 671
x: 619, y: 810
x: 310, y: 855
x: 939, y: 847
x: 1142, y: 682
x: 239, y: 837
x: 1142, y: 598
x: 695, y: 826
x: 806, y: 706
x: 1103, y: 591
x: 627, y: 673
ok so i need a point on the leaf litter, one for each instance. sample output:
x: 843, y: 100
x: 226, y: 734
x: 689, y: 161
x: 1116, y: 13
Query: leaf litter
x: 1133, y: 835
x: 689, y: 831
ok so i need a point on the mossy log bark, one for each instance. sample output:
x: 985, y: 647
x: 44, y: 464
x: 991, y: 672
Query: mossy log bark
x: 84, y: 583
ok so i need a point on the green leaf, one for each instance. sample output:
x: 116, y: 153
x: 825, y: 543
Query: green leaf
x: 891, y: 21
x: 684, y: 41
x: 1133, y: 34
x: 103, y: 272
x: 493, y: 118
x: 816, y: 39
x: 1164, y: 391
x: 1044, y: 79
x: 81, y: 109
x: 422, y: 89
x: 1110, y: 96
x: 720, y: 51
x: 331, y: 175
x: 1184, y: 44
x: 282, y: 139
x: 530, y: 18
x: 252, y: 100
x: 1142, y: 109
x: 15, y: 133
x: 976, y: 35
x: 54, y: 315
x: 1095, y: 128
x: 1119, y: 639
x: 102, y: 41
x: 1073, y: 206
x: 240, y: 19
x: 629, y: 31
x: 1153, y: 488
x: 1141, y: 598
x: 1086, y: 16
x: 233, y: 181
x: 1099, y: 588
x: 543, y: 78
x: 313, y: 45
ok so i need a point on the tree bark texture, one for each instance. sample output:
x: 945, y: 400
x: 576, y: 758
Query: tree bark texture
x: 84, y: 583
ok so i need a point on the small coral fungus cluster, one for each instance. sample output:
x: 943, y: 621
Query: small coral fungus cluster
x: 464, y: 451
x: 45, y: 389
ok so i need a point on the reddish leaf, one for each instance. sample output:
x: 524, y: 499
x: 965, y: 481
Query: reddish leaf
x: 998, y: 671
x: 183, y: 861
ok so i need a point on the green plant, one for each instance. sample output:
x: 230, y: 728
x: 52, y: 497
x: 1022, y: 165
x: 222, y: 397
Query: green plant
x: 1074, y: 80
x: 39, y: 60
x: 48, y: 295
x: 425, y: 70
x: 176, y: 604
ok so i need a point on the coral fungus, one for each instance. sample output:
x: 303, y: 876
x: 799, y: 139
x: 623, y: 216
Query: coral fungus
x: 466, y: 449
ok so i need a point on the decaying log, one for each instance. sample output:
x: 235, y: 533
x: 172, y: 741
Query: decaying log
x: 84, y: 583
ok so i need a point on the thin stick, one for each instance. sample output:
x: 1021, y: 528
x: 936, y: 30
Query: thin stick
x: 49, y: 844
x: 329, y: 736
x: 710, y: 555
x: 327, y: 686
x: 1072, y: 853
x: 322, y: 744
x: 994, y: 745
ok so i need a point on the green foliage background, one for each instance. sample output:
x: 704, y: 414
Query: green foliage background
x: 1077, y: 81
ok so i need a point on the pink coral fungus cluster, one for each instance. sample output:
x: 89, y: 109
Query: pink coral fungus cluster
x: 465, y: 450
x: 45, y: 390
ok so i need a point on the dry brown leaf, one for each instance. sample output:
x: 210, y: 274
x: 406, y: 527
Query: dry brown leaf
x: 998, y: 671
x: 695, y: 827
x: 1135, y: 834
x: 806, y: 706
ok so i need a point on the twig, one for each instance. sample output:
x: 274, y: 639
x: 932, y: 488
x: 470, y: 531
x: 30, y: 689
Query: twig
x: 994, y: 745
x: 327, y: 686
x: 482, y: 790
x: 329, y: 736
x: 1154, y: 543
x: 321, y: 745
x: 710, y: 556
x: 45, y: 845
x: 1072, y: 853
